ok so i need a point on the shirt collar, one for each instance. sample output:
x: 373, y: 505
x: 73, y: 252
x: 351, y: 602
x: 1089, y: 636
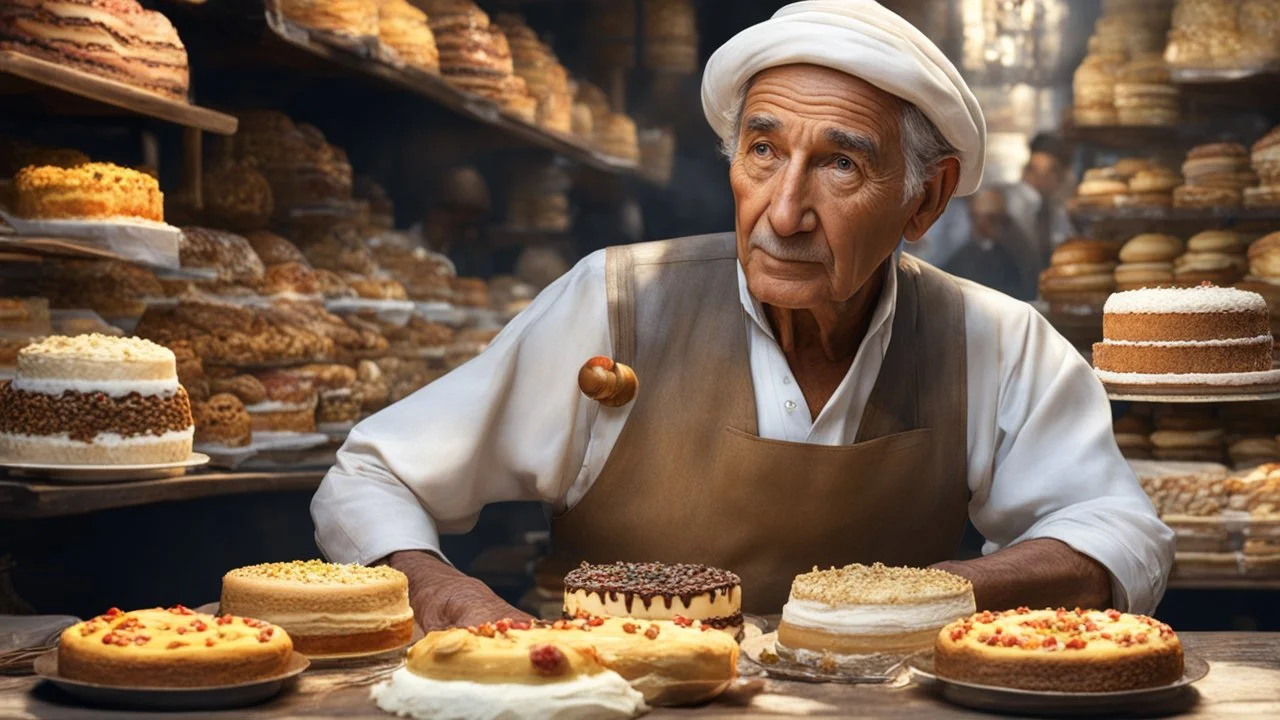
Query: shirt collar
x: 881, y: 320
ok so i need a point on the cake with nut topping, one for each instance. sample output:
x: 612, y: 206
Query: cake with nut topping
x: 328, y: 609
x: 588, y: 667
x: 95, y: 400
x: 868, y: 617
x: 655, y: 591
x: 1059, y: 650
x: 174, y: 647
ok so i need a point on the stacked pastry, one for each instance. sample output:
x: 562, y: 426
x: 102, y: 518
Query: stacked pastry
x: 597, y: 104
x: 1127, y: 30
x: 538, y: 199
x: 1150, y: 186
x: 1144, y: 94
x: 1094, y: 85
x: 671, y: 35
x: 357, y: 18
x: 88, y: 190
x: 118, y: 40
x: 1133, y: 436
x: 1081, y: 275
x: 1264, y: 274
x: 303, y: 169
x: 474, y: 56
x: 1101, y: 188
x: 237, y: 196
x: 1147, y: 260
x: 1216, y: 176
x: 611, y: 34
x: 1189, y: 433
x: 1205, y: 34
x: 617, y: 137
x: 1213, y: 256
x: 1265, y: 158
x: 1251, y: 433
x: 545, y: 77
x: 116, y: 290
x: 403, y: 28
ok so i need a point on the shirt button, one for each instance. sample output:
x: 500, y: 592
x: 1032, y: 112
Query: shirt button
x: 790, y: 405
x: 786, y: 379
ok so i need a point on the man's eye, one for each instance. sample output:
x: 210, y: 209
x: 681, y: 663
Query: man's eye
x: 760, y: 149
x: 844, y: 164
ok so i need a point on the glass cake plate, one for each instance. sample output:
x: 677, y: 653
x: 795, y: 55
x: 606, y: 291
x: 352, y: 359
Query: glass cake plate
x: 104, y: 473
x: 219, y: 697
x: 1174, y: 697
x: 863, y: 669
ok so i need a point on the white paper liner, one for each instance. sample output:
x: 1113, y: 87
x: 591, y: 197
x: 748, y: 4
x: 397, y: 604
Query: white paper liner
x: 267, y: 441
x: 135, y: 239
x: 1262, y: 377
x: 393, y: 312
x: 439, y: 312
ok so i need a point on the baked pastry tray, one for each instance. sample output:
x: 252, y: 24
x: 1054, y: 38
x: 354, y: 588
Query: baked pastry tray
x: 1156, y: 700
x: 104, y: 473
x: 219, y: 697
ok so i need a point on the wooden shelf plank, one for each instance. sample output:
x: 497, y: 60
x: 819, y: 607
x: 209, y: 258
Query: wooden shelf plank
x: 1235, y: 582
x: 118, y: 95
x: 20, y: 499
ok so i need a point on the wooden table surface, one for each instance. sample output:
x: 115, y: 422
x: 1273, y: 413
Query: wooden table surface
x: 1244, y: 682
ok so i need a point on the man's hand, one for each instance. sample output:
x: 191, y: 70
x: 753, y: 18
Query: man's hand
x: 442, y: 597
x: 1036, y: 573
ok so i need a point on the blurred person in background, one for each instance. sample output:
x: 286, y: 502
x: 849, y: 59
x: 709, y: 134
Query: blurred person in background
x: 997, y: 254
x: 1035, y: 203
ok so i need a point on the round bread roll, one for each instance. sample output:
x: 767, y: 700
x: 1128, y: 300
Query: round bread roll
x: 1215, y: 150
x: 1131, y: 167
x: 1080, y: 269
x: 1204, y: 262
x: 1187, y: 438
x: 1101, y: 173
x: 1144, y: 274
x: 1101, y: 188
x: 1151, y: 247
x: 1084, y: 250
x: 1222, y: 241
x: 1154, y: 181
x: 1265, y: 245
x: 1267, y: 196
x: 1191, y: 196
x: 1094, y: 116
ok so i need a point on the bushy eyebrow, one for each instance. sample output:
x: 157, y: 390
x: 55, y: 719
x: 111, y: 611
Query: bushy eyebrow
x: 763, y: 123
x: 854, y: 142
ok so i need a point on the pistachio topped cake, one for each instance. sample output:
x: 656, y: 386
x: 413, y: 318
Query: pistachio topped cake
x: 656, y: 591
x: 328, y: 609
x: 868, y: 610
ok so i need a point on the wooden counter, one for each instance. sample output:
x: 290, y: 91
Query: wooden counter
x: 1244, y: 682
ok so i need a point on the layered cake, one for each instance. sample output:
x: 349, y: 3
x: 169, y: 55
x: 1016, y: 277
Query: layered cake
x: 173, y: 647
x: 91, y: 190
x: 290, y: 404
x: 1059, y: 651
x: 868, y: 617
x: 1181, y: 335
x: 115, y: 39
x: 222, y: 420
x: 328, y: 609
x: 570, y: 668
x: 95, y: 400
x: 654, y: 591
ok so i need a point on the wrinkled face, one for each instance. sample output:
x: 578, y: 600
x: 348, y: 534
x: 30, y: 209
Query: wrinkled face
x: 818, y: 181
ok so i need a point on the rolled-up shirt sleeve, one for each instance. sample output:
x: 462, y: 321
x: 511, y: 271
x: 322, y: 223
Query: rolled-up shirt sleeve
x: 508, y: 425
x: 1056, y: 471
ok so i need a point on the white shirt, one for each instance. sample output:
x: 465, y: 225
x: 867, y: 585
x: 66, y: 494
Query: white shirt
x: 512, y: 425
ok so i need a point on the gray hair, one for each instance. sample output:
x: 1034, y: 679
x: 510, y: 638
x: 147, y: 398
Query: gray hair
x: 923, y: 145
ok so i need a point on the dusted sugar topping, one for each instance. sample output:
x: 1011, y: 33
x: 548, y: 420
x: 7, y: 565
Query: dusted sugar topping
x: 1060, y: 630
x: 878, y: 585
x: 650, y: 579
x: 318, y: 572
x: 99, y: 347
x: 1203, y: 299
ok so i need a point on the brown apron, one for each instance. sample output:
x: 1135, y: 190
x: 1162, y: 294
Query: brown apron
x: 689, y: 480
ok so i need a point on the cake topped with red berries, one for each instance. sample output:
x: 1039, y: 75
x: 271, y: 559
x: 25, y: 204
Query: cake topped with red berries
x: 173, y: 647
x: 1059, y: 650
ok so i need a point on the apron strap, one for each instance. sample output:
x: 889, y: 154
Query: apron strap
x: 620, y: 290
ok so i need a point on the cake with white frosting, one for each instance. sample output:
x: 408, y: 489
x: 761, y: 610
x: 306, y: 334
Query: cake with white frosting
x: 328, y: 609
x: 1184, y: 335
x: 95, y: 400
x: 868, y: 617
x: 656, y: 591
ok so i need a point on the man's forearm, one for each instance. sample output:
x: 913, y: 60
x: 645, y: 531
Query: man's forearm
x: 443, y: 596
x: 1036, y: 573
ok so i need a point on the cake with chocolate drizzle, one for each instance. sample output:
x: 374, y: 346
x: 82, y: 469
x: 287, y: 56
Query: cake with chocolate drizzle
x: 656, y: 591
x: 95, y: 400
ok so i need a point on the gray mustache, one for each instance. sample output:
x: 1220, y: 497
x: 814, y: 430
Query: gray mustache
x: 800, y: 248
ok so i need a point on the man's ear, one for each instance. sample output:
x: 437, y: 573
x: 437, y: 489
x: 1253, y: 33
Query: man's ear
x: 938, y: 190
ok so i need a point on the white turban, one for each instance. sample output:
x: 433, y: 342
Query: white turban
x: 863, y: 39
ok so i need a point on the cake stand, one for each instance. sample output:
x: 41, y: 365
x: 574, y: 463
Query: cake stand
x: 1236, y: 387
x: 104, y: 473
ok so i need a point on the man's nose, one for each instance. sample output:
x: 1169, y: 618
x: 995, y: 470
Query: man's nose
x: 791, y: 211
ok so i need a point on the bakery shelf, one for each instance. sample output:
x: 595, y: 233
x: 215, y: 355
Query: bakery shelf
x: 1232, y: 582
x: 1194, y: 397
x: 1126, y: 138
x: 1133, y: 220
x: 29, y: 76
x: 20, y: 499
x: 1202, y: 76
x: 39, y: 247
x: 361, y: 58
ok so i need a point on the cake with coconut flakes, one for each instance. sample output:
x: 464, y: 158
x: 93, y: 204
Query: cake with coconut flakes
x: 868, y: 617
x: 95, y: 400
x: 1170, y: 334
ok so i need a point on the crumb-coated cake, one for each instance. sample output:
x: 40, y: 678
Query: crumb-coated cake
x: 174, y: 647
x: 95, y: 400
x: 328, y: 609
x: 222, y: 420
x: 551, y: 665
x: 290, y: 404
x: 1185, y: 332
x: 655, y: 591
x: 91, y: 190
x: 1059, y: 650
x: 869, y: 615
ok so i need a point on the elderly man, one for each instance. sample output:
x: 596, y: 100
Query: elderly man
x: 807, y: 396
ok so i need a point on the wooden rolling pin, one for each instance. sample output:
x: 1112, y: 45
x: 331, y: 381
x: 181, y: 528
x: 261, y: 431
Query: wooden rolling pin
x: 611, y: 384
